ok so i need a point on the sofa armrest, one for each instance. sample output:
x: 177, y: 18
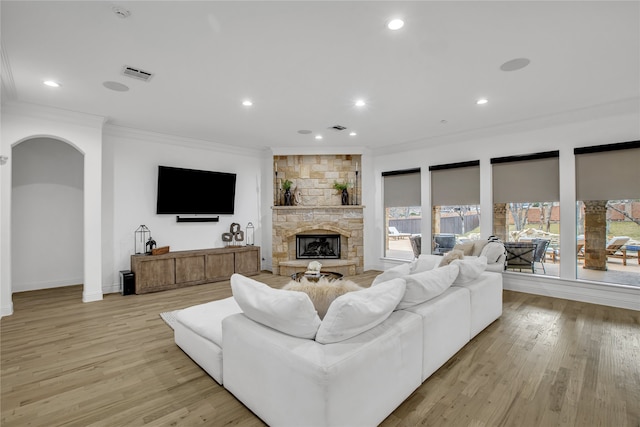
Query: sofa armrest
x: 289, y: 381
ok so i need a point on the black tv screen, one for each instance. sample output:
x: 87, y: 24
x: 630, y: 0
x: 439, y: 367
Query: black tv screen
x: 190, y: 191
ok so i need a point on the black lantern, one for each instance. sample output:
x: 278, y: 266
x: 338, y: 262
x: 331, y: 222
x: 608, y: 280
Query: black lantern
x: 142, y: 236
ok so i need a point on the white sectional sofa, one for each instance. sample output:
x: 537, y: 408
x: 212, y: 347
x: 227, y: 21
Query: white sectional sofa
x: 373, y: 348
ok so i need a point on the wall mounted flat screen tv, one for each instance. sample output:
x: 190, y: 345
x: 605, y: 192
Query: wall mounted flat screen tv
x: 191, y: 191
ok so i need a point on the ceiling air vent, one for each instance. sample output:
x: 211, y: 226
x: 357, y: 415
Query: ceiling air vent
x: 338, y: 128
x: 136, y: 73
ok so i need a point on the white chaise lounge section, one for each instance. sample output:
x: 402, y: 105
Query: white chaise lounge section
x: 289, y: 381
x: 198, y: 332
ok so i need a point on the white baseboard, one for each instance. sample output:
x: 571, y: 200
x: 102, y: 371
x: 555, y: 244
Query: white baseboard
x: 34, y: 286
x: 91, y: 297
x: 114, y: 288
x: 6, y: 310
x: 592, y: 292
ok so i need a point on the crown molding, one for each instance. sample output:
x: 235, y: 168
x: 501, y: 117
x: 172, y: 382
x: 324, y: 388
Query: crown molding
x: 161, y: 138
x: 8, y: 84
x: 54, y: 114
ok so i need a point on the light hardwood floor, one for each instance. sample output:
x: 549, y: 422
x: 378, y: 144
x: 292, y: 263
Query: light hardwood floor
x: 545, y: 362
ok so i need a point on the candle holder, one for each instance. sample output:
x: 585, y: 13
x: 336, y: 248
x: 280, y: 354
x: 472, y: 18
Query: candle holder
x: 355, y: 190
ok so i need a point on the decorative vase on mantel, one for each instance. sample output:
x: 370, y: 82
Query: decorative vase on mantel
x: 342, y: 188
x: 286, y: 185
x: 345, y: 197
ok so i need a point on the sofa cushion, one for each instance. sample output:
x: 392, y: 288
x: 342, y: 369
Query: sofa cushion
x: 427, y: 285
x: 292, y: 313
x: 392, y: 273
x: 356, y: 312
x: 493, y: 251
x: 425, y: 262
x: 478, y: 246
x: 322, y: 292
x: 206, y: 319
x: 470, y: 268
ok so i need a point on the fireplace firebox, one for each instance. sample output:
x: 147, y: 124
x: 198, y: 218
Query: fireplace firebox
x: 318, y: 246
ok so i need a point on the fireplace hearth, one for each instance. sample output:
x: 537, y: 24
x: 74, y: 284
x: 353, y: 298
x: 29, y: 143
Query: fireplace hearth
x: 318, y: 246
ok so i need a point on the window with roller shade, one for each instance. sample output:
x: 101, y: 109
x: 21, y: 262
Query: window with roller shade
x: 455, y: 201
x: 403, y: 212
x: 526, y: 197
x: 608, y: 212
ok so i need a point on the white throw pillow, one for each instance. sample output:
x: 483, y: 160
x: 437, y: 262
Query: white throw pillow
x: 427, y: 285
x: 470, y: 268
x: 392, y: 273
x: 289, y: 312
x: 356, y: 312
x: 493, y: 251
x: 425, y: 262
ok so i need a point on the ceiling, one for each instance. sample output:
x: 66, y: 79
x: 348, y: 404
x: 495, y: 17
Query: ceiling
x: 305, y: 63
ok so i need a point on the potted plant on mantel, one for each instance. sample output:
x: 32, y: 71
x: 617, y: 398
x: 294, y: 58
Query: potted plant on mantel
x: 286, y: 186
x: 342, y: 187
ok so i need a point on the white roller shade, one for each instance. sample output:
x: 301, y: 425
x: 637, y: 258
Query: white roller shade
x: 456, y: 186
x: 530, y: 180
x: 608, y: 175
x: 402, y: 189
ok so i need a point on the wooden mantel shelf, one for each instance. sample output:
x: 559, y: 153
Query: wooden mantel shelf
x: 318, y: 207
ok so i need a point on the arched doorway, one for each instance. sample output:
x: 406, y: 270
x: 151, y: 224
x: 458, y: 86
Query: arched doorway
x: 47, y: 196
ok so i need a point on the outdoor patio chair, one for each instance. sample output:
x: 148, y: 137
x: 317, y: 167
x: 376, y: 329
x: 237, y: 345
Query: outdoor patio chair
x: 394, y: 233
x: 520, y: 255
x: 615, y: 248
x: 443, y: 243
x: 540, y: 253
x: 416, y: 244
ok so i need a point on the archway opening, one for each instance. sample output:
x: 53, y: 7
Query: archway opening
x: 47, y: 197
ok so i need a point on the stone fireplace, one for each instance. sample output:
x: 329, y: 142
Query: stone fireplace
x: 316, y: 223
x: 331, y: 233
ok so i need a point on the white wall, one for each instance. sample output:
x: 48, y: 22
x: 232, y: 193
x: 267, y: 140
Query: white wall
x: 47, y: 197
x: 130, y: 164
x: 563, y: 137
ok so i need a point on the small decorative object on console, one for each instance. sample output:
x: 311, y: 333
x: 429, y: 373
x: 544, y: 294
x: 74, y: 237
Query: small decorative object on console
x: 160, y: 250
x: 151, y: 244
x: 234, y: 235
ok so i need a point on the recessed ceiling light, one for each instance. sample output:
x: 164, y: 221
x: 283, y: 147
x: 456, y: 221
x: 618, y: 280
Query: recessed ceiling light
x: 51, y: 83
x: 515, y: 64
x: 360, y: 103
x: 247, y: 103
x: 395, y: 24
x: 443, y: 122
x: 118, y: 87
x: 304, y: 131
x: 482, y: 101
x: 352, y: 134
x: 318, y: 137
